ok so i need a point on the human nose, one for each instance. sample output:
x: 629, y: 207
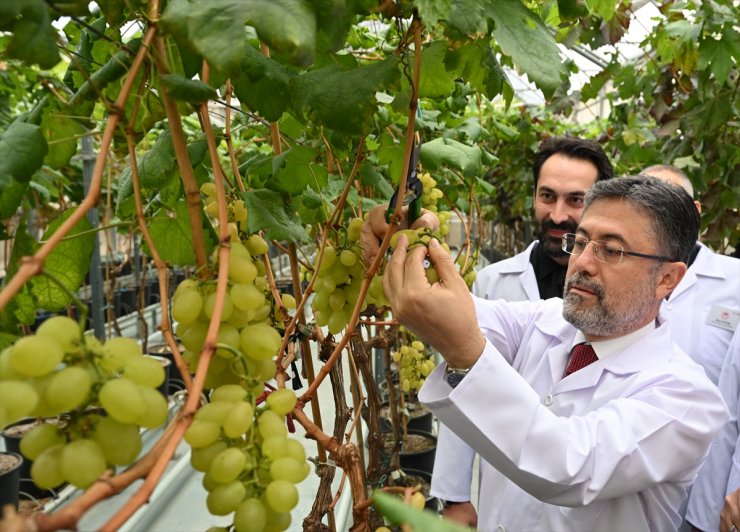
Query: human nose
x: 560, y: 212
x: 587, y: 261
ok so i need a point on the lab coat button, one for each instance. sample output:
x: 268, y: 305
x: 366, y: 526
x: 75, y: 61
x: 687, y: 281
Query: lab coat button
x: 548, y: 400
x: 669, y: 306
x: 500, y: 528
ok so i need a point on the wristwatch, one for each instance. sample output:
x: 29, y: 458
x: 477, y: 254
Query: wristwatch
x: 454, y: 376
x: 447, y: 504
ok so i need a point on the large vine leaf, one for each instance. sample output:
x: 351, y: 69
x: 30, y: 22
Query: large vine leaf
x: 522, y: 35
x: 449, y: 152
x: 34, y: 38
x: 220, y: 39
x: 22, y: 151
x: 468, y: 19
x: 173, y: 238
x: 477, y: 64
x: 263, y: 84
x: 21, y: 310
x: 297, y: 169
x: 68, y: 263
x: 62, y: 133
x: 435, y: 80
x: 269, y: 212
x: 287, y: 26
x: 188, y: 90
x: 432, y: 11
x: 11, y: 196
x: 344, y: 100
x: 157, y: 164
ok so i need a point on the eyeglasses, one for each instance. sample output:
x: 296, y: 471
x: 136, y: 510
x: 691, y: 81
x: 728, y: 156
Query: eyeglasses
x: 576, y: 244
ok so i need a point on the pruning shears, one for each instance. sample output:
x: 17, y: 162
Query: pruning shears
x: 413, y: 192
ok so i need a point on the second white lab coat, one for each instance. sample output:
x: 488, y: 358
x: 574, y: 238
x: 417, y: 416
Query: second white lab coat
x: 611, y: 447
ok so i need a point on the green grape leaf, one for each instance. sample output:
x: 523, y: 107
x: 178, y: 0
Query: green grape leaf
x: 221, y: 39
x: 487, y: 188
x: 156, y: 165
x: 68, y: 263
x: 392, y: 507
x: 448, y: 152
x: 718, y: 54
x: 468, y: 19
x: 22, y: 308
x: 7, y: 339
x: 263, y: 84
x: 22, y: 151
x: 476, y: 63
x: 188, y: 90
x: 435, y: 80
x: 298, y: 169
x: 344, y: 100
x: 392, y: 154
x: 522, y: 35
x: 286, y: 26
x: 336, y: 18
x: 603, y: 8
x: 369, y: 176
x: 34, y: 39
x: 268, y: 211
x: 11, y: 196
x: 432, y: 11
x: 113, y: 11
x: 62, y: 134
x: 173, y: 237
x: 312, y: 207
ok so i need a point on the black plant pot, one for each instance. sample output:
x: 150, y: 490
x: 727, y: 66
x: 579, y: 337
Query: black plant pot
x: 10, y: 475
x: 420, y: 419
x: 413, y: 454
x: 12, y: 441
x: 173, y: 378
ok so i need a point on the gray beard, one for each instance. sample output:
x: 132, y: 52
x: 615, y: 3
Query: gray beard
x: 603, y: 320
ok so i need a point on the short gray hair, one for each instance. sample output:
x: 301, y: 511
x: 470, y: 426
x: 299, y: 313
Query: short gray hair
x: 675, y: 221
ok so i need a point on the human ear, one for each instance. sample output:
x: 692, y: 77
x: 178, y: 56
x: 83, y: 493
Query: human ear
x: 670, y: 276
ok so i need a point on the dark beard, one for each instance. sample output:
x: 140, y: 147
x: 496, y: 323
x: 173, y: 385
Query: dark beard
x: 553, y: 247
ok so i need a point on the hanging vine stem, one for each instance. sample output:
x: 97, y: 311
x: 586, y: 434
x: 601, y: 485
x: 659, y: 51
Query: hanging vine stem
x: 229, y: 141
x: 185, y: 417
x: 32, y: 265
x: 395, y: 220
x: 192, y: 193
x: 162, y: 270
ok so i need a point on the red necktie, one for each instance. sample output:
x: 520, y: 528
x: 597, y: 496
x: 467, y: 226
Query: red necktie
x: 580, y: 356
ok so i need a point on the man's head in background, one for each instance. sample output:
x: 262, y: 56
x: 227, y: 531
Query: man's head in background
x: 671, y: 174
x: 564, y: 169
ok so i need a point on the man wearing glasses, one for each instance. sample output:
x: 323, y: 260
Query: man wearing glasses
x: 564, y: 168
x: 589, y: 414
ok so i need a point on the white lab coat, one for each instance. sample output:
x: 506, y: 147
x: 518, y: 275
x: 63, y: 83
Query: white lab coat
x: 720, y: 474
x: 512, y: 279
x: 611, y: 447
x: 712, y: 279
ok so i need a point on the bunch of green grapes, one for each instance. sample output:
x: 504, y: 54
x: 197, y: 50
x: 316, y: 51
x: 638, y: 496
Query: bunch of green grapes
x: 468, y: 272
x: 430, y: 194
x: 338, y: 283
x: 236, y: 210
x: 106, y: 392
x: 413, y: 363
x: 248, y: 338
x: 251, y: 466
x: 421, y: 237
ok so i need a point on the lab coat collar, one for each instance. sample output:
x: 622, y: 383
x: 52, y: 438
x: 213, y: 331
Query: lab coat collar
x: 653, y: 349
x: 519, y: 262
x: 705, y: 265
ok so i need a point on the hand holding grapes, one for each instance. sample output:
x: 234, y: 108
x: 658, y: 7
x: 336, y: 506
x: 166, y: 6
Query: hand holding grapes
x: 442, y: 314
x: 375, y: 228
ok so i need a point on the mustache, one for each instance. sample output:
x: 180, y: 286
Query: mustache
x: 580, y: 279
x: 565, y: 226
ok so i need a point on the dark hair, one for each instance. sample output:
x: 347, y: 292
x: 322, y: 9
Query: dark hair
x: 675, y: 220
x: 574, y: 148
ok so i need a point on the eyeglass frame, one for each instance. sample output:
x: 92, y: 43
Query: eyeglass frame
x: 598, y: 244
